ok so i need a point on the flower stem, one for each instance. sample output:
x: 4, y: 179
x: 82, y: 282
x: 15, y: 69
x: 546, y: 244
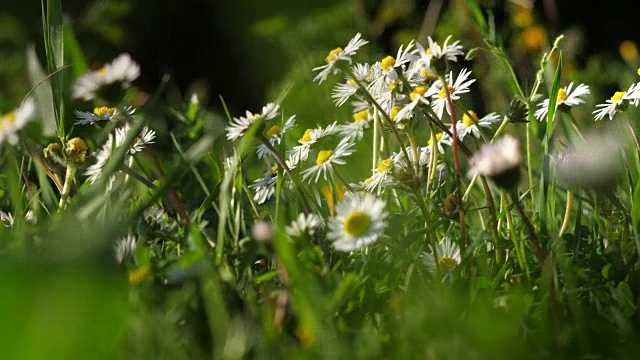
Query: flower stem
x: 66, y: 188
x: 541, y: 253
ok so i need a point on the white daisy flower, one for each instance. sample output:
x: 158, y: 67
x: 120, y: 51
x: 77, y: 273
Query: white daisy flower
x: 448, y: 256
x: 618, y: 102
x: 442, y: 139
x: 566, y: 96
x: 434, y: 51
x: 469, y: 123
x: 265, y: 186
x: 381, y: 176
x: 355, y: 129
x: 338, y: 54
x: 420, y: 94
x: 424, y: 156
x: 460, y: 86
x: 102, y: 114
x: 304, y: 224
x: 275, y: 134
x: 359, y: 221
x: 326, y: 159
x: 126, y: 247
x: 121, y: 70
x: 94, y: 172
x: 239, y: 125
x: 311, y: 136
x: 14, y: 121
x: 145, y: 137
x: 500, y: 161
x: 342, y: 92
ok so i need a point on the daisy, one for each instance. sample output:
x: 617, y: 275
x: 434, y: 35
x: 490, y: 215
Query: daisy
x: 121, y: 70
x: 500, y: 161
x: 441, y: 140
x: 424, y: 155
x: 566, y: 96
x: 359, y: 221
x: 14, y: 121
x: 355, y: 129
x: 94, y: 172
x: 618, y: 102
x: 326, y: 159
x: 420, y: 94
x: 126, y: 248
x: 381, y: 175
x: 449, y: 52
x: 265, y: 186
x: 275, y: 134
x: 239, y: 125
x: 469, y: 123
x: 460, y: 86
x: 145, y: 137
x: 448, y: 256
x: 342, y: 92
x: 101, y: 114
x: 311, y: 136
x: 338, y: 54
x: 304, y: 224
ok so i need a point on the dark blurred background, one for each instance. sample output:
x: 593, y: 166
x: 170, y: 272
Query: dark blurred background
x: 243, y: 49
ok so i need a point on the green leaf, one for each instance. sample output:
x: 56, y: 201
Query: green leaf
x: 42, y: 92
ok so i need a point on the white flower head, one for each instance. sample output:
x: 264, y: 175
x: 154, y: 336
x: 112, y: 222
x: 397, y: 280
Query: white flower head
x: 327, y: 159
x: 448, y: 254
x: 121, y: 70
x: 304, y: 224
x: 311, y: 136
x: 455, y: 88
x: 126, y: 247
x: 566, y: 96
x: 102, y: 114
x: 470, y: 122
x: 338, y: 54
x: 419, y: 95
x: 15, y: 120
x: 618, y: 102
x: 265, y: 186
x: 382, y: 175
x: 274, y: 134
x: 500, y: 161
x: 447, y: 51
x: 359, y: 221
x: 239, y: 125
x: 442, y: 139
x: 355, y: 130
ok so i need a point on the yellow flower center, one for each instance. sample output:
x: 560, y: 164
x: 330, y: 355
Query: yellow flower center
x: 428, y: 51
x: 534, y: 37
x: 102, y: 71
x: 562, y: 96
x: 446, y: 263
x: 274, y: 168
x: 384, y: 165
x: 394, y: 112
x: 104, y: 110
x: 394, y: 84
x: 323, y: 156
x: 469, y: 120
x: 418, y: 91
x: 628, y: 50
x: 333, y: 55
x: 328, y: 194
x: 618, y: 96
x: 273, y: 131
x: 360, y: 116
x: 442, y: 94
x: 10, y: 117
x: 351, y: 82
x: 357, y: 223
x: 307, y: 136
x: 137, y: 276
x: 387, y: 63
x: 438, y: 137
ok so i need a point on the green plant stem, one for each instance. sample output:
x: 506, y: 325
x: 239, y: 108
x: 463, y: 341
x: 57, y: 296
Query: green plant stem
x: 456, y: 163
x: 66, y: 188
x: 414, y: 153
x: 567, y: 214
x: 541, y: 253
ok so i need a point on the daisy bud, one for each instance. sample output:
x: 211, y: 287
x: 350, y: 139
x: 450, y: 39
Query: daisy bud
x: 517, y: 111
x: 262, y: 231
x: 499, y: 161
x: 75, y: 151
x: 53, y: 155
